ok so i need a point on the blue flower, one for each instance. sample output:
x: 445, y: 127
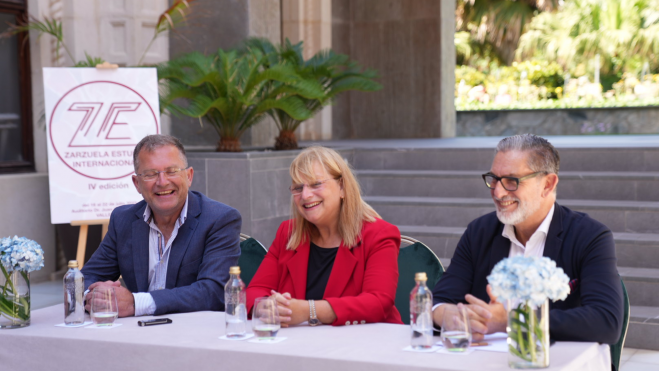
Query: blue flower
x: 529, y: 279
x: 21, y: 254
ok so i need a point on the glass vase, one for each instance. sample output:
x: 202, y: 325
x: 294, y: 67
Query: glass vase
x: 14, y: 299
x: 528, y: 335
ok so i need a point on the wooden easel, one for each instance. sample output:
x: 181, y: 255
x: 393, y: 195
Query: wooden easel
x: 82, y: 236
x: 84, y: 224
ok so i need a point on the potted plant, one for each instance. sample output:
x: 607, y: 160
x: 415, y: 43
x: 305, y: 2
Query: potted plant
x: 335, y: 73
x: 233, y: 91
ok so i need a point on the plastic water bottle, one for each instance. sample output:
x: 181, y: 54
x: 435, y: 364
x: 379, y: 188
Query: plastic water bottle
x: 421, y: 313
x: 74, y: 286
x: 235, y: 305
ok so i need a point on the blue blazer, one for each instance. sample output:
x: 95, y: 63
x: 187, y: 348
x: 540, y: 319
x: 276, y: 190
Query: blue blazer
x: 207, y: 244
x: 582, y: 246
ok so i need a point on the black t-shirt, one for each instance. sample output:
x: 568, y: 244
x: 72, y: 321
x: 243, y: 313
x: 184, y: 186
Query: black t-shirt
x: 321, y: 261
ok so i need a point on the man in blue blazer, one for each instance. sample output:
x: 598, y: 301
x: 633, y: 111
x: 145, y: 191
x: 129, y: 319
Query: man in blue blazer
x: 529, y: 222
x: 173, y: 249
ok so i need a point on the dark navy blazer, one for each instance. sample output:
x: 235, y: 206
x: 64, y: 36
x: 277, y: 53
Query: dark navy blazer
x: 207, y: 244
x: 582, y: 246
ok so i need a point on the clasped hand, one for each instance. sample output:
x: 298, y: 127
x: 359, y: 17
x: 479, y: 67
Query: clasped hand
x: 291, y: 311
x: 125, y: 299
x: 486, y: 318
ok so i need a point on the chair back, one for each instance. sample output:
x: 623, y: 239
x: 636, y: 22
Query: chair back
x: 616, y: 349
x: 414, y: 257
x: 252, y: 253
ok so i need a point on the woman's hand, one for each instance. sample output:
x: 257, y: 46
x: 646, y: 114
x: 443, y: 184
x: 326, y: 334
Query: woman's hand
x: 291, y: 311
x: 283, y: 306
x: 300, y: 309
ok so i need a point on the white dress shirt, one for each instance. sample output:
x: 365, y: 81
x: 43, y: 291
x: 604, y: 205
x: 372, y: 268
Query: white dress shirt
x: 535, y: 246
x: 144, y: 303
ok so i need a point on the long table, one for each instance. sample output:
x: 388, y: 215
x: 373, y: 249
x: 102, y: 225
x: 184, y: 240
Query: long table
x: 192, y: 342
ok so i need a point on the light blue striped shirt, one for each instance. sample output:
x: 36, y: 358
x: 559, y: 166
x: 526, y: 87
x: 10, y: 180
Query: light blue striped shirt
x: 159, y: 250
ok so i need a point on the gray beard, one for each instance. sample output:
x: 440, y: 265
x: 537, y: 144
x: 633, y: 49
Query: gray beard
x: 523, y: 211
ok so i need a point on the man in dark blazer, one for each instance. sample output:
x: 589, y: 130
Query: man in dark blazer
x: 529, y: 222
x: 173, y: 249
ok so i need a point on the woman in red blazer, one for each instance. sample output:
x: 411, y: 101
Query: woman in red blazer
x: 336, y: 262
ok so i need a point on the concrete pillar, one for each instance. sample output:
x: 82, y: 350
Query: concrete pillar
x: 310, y: 21
x: 410, y: 43
x: 447, y: 74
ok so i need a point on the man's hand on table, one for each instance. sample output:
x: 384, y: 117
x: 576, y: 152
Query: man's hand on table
x: 492, y: 316
x: 484, y: 318
x: 125, y: 298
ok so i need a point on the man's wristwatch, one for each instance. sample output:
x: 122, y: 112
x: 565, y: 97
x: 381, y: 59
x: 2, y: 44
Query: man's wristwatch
x: 313, y: 320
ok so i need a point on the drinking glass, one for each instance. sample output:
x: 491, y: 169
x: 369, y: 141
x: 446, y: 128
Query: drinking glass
x: 456, y: 330
x: 265, y: 319
x: 104, y: 306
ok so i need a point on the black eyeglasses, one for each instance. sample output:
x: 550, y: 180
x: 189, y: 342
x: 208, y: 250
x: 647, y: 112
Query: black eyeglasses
x: 509, y: 183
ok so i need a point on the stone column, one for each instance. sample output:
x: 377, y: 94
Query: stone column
x: 310, y: 21
x: 447, y: 74
x: 410, y: 44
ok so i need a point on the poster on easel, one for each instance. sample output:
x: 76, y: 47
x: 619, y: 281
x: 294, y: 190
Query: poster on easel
x: 94, y: 119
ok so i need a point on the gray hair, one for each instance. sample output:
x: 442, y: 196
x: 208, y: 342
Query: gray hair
x: 543, y: 156
x: 152, y: 142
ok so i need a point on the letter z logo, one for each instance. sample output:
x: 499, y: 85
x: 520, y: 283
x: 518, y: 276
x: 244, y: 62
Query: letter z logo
x: 93, y: 116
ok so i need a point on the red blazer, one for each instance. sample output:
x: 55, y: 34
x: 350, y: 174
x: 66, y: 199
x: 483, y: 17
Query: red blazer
x: 361, y: 286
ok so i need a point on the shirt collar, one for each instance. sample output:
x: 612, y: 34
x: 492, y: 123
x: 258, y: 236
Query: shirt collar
x: 181, y: 218
x: 509, y: 229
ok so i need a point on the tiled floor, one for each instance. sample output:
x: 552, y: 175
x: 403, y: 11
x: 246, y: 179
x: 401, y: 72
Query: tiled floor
x: 639, y: 360
x: 50, y: 293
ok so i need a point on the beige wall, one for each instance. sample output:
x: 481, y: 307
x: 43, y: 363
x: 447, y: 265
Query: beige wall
x: 310, y: 21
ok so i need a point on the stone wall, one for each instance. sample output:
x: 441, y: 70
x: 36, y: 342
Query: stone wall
x: 633, y: 120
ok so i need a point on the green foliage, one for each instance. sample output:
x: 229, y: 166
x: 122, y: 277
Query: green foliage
x: 469, y: 75
x: 168, y: 20
x: 623, y: 33
x: 233, y: 91
x: 559, y: 104
x: 539, y: 73
x: 89, y: 61
x: 495, y: 26
x: 542, y: 73
x: 48, y: 26
x: 332, y: 73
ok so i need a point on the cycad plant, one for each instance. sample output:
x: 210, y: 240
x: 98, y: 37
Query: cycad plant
x: 334, y: 73
x: 233, y: 91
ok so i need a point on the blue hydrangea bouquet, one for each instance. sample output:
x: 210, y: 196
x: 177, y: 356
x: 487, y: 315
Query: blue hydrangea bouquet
x: 18, y: 257
x: 526, y: 284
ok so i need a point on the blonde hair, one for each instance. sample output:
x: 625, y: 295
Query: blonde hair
x: 354, y: 211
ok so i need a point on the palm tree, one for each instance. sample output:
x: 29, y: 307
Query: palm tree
x: 232, y: 91
x: 624, y: 33
x: 334, y: 73
x: 499, y: 23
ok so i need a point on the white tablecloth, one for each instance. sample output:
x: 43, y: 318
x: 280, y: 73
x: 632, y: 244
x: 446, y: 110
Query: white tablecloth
x: 191, y: 343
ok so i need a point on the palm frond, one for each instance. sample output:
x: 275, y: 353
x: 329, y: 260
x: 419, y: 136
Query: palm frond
x: 89, y: 61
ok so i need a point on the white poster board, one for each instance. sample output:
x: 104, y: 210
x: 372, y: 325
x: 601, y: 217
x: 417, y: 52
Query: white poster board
x: 94, y: 119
